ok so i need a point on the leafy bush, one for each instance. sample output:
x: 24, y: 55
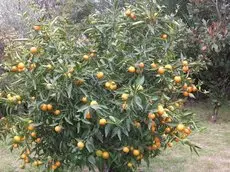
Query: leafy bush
x: 105, y: 100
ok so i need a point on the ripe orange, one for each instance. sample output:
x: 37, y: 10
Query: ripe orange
x: 33, y: 134
x: 21, y: 65
x: 185, y: 69
x: 21, y: 70
x: 164, y: 36
x: 57, y: 112
x: 23, y: 156
x: 49, y: 107
x: 93, y: 54
x: 153, y: 65
x: 158, y: 144
x: 141, y: 65
x: 124, y: 96
x: 113, y: 86
x: 79, y: 82
x: 31, y: 127
x: 168, y: 119
x: 80, y: 145
x: 33, y: 50
x: 177, y: 140
x: 136, y: 152
x: 185, y: 93
x: 151, y: 116
x: 167, y: 130
x: 86, y: 57
x: 54, y: 167
x: 153, y: 128
x: 44, y: 107
x: 88, y: 116
x: 58, y: 163
x: 58, y: 129
x: 133, y: 16
x: 84, y: 99
x: 105, y: 155
x: 107, y: 85
x: 185, y: 86
x: 170, y: 144
x: 161, y: 70
x: 180, y: 127
x: 157, y: 139
x: 189, y: 89
x: 15, y: 145
x: 14, y: 69
x: 35, y: 163
x: 125, y: 149
x: 137, y: 124
x: 128, y: 12
x: 32, y: 66
x: 102, y: 122
x: 27, y: 160
x: 17, y: 139
x: 28, y: 152
x: 177, y: 79
x: 194, y: 88
x: 37, y: 27
x: 187, y: 131
x: 131, y: 69
x: 38, y: 140
x: 154, y: 147
x: 160, y: 110
x: 100, y: 75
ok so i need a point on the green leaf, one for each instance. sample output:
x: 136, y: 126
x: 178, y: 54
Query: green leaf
x: 108, y: 128
x: 89, y: 146
x: 99, y: 136
x: 128, y: 124
x: 138, y: 101
x: 112, y: 119
x: 140, y: 80
x: 137, y: 23
x: 119, y: 133
x: 68, y: 121
x: 155, y: 98
x: 83, y: 108
x: 92, y: 160
x: 70, y: 87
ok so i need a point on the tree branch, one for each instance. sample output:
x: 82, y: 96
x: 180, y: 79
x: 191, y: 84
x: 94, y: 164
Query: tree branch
x: 217, y: 9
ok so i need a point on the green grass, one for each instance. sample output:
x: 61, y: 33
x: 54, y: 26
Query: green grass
x: 214, y: 141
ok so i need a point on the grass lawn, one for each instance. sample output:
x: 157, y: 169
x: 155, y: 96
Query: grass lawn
x: 214, y: 141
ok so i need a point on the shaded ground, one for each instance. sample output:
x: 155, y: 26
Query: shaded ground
x: 214, y: 155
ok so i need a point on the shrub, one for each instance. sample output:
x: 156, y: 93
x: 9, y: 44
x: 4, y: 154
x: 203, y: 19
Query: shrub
x: 106, y: 101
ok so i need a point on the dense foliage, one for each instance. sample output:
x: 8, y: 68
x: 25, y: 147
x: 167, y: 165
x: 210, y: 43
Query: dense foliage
x: 106, y: 97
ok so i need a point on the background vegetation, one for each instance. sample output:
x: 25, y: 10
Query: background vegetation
x: 202, y: 37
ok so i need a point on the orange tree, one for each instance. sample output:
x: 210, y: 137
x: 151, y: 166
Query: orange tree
x: 106, y: 100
